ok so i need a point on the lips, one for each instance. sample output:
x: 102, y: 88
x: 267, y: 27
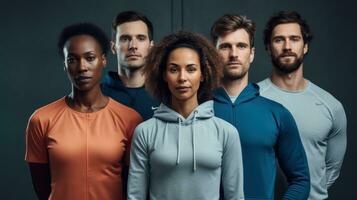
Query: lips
x: 83, y: 79
x: 183, y: 89
x: 133, y: 56
x: 234, y: 63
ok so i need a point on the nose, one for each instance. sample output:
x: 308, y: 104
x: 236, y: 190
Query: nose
x: 83, y: 65
x: 233, y: 53
x: 133, y: 44
x: 182, y: 77
x: 287, y: 45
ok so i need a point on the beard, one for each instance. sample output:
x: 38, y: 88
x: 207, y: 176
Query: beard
x: 229, y: 75
x: 287, y: 68
x: 232, y: 75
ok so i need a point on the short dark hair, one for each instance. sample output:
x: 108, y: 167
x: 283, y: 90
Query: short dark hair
x: 156, y: 62
x: 285, y: 17
x: 229, y: 23
x: 131, y: 16
x: 83, y: 29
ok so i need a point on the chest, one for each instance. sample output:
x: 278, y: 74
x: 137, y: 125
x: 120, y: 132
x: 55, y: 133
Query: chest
x: 94, y: 139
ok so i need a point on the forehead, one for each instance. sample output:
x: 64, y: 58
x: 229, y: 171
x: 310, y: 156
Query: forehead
x: 81, y: 43
x: 183, y: 54
x: 237, y: 36
x: 288, y: 29
x: 132, y: 28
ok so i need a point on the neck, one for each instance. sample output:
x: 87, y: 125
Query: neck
x: 185, y: 108
x: 132, y: 78
x: 87, y: 101
x: 235, y: 87
x: 292, y: 82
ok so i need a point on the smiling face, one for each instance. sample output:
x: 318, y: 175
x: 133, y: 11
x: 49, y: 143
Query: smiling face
x: 84, y: 61
x: 237, y: 54
x: 287, y: 47
x: 132, y: 44
x: 183, y: 75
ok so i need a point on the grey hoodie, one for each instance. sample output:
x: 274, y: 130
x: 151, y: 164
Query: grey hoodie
x: 177, y: 158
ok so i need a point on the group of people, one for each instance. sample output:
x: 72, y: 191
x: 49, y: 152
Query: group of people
x: 180, y: 119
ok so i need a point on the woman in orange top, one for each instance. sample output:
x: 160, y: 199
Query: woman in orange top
x: 78, y: 146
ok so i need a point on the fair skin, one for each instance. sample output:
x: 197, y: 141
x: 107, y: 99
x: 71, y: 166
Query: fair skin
x: 237, y: 54
x: 287, y: 45
x: 131, y: 46
x: 183, y: 76
x: 84, y: 62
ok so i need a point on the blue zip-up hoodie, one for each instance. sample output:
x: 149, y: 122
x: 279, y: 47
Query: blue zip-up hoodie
x: 136, y: 98
x: 173, y: 157
x: 267, y: 132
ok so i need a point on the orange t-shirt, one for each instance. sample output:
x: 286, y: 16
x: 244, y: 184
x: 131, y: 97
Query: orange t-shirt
x: 85, y: 151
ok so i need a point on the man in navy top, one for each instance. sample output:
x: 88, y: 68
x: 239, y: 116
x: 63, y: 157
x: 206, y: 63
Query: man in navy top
x: 132, y: 38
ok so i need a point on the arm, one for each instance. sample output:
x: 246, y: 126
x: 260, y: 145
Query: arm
x: 292, y: 158
x: 138, y: 180
x: 232, y: 167
x: 336, y: 145
x: 37, y: 157
x: 41, y: 179
x: 130, y: 128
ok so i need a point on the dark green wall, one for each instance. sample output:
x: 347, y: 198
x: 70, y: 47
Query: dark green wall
x: 31, y: 72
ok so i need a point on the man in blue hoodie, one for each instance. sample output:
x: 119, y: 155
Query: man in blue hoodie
x: 132, y: 38
x: 267, y: 130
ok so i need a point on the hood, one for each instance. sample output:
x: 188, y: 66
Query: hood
x: 112, y: 80
x: 250, y: 92
x: 169, y: 116
x: 202, y: 111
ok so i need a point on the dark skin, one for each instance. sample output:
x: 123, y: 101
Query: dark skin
x: 84, y: 62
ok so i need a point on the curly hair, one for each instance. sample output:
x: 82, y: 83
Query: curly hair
x: 284, y: 17
x: 83, y: 29
x: 156, y: 62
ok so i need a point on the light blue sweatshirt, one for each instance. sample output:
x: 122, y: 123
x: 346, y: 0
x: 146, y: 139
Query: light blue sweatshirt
x: 322, y: 125
x: 177, y: 158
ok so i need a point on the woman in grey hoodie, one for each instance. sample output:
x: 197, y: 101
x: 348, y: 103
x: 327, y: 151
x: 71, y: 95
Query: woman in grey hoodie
x: 184, y: 151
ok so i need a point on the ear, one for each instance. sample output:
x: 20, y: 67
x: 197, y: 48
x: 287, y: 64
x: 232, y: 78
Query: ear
x: 104, y: 60
x: 64, y: 66
x: 306, y: 48
x: 112, y: 47
x: 252, y: 53
x: 151, y: 44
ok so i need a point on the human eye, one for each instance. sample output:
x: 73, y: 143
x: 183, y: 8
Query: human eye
x: 295, y: 38
x: 224, y: 46
x: 172, y: 69
x: 191, y: 68
x: 70, y: 60
x: 278, y: 40
x: 142, y: 38
x: 124, y: 39
x: 242, y: 46
x: 90, y: 58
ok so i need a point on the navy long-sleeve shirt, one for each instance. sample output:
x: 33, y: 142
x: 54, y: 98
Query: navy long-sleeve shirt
x: 136, y: 98
x: 268, y: 133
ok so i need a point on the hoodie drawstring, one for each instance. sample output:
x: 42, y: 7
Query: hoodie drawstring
x: 194, y: 140
x: 179, y: 142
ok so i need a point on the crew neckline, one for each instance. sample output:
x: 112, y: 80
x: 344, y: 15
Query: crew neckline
x: 289, y: 91
x: 86, y: 114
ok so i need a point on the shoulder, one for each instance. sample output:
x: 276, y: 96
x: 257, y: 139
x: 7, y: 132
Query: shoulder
x: 326, y: 98
x: 225, y: 126
x: 50, y: 110
x: 264, y: 85
x: 42, y: 118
